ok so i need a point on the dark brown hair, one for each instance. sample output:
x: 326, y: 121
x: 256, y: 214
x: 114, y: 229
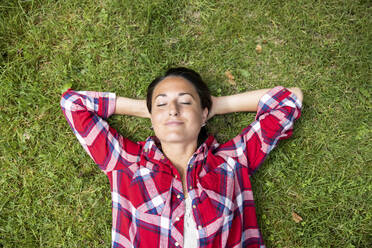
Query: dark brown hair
x: 195, y: 79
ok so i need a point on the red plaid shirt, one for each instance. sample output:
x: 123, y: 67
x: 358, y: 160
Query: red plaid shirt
x: 147, y: 196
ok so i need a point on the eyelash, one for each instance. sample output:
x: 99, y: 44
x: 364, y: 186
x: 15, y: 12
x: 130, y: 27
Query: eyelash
x: 160, y: 105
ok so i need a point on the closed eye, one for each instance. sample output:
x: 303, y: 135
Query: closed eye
x: 187, y: 103
x: 159, y: 105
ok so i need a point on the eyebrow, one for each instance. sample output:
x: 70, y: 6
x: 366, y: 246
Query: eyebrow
x: 180, y: 94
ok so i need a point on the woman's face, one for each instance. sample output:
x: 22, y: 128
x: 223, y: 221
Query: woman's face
x: 176, y: 113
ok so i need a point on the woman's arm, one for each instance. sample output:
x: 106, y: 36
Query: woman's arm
x: 86, y: 112
x: 243, y: 102
x: 277, y: 110
x: 128, y: 106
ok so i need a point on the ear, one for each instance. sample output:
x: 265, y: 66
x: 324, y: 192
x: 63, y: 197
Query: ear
x: 205, y: 115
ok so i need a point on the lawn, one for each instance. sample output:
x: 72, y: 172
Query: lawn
x: 314, y: 190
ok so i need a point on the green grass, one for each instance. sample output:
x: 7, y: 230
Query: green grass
x: 51, y: 193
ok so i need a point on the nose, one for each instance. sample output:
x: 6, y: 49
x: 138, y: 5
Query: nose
x: 173, y: 109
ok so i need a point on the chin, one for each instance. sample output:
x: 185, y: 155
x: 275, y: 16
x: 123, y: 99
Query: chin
x: 176, y: 139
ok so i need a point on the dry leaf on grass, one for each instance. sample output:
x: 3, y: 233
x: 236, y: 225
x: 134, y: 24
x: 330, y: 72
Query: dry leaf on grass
x: 259, y: 48
x: 230, y: 77
x: 296, y: 217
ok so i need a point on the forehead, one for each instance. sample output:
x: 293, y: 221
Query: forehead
x: 174, y: 84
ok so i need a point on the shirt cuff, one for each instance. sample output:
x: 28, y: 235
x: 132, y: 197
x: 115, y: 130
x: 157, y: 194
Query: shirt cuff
x: 109, y: 103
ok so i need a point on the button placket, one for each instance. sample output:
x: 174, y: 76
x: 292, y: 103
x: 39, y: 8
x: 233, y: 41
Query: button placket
x: 189, y: 177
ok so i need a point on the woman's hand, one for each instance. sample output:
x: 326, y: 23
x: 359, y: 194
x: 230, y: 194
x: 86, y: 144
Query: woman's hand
x: 212, y: 112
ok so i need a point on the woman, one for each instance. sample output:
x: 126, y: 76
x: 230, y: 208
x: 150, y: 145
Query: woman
x: 180, y: 188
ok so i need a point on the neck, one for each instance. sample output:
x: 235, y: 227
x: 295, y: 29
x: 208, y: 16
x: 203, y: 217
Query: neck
x: 179, y: 153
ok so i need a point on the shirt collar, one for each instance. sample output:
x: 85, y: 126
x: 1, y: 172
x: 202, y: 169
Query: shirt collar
x: 152, y: 147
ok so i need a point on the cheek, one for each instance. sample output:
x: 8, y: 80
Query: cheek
x: 196, y: 117
x: 156, y: 118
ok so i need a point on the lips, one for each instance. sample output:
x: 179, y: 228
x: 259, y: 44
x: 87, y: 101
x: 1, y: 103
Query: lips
x: 173, y: 123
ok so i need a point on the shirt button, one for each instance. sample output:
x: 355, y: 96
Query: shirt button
x: 176, y: 244
x: 178, y: 196
x: 175, y: 176
x: 194, y: 206
x: 190, y: 188
x: 177, y: 218
x: 200, y: 227
x: 190, y: 166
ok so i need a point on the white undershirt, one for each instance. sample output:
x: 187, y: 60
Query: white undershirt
x: 190, y: 233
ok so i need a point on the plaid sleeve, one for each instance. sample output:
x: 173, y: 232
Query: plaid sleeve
x: 85, y: 112
x: 277, y: 111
